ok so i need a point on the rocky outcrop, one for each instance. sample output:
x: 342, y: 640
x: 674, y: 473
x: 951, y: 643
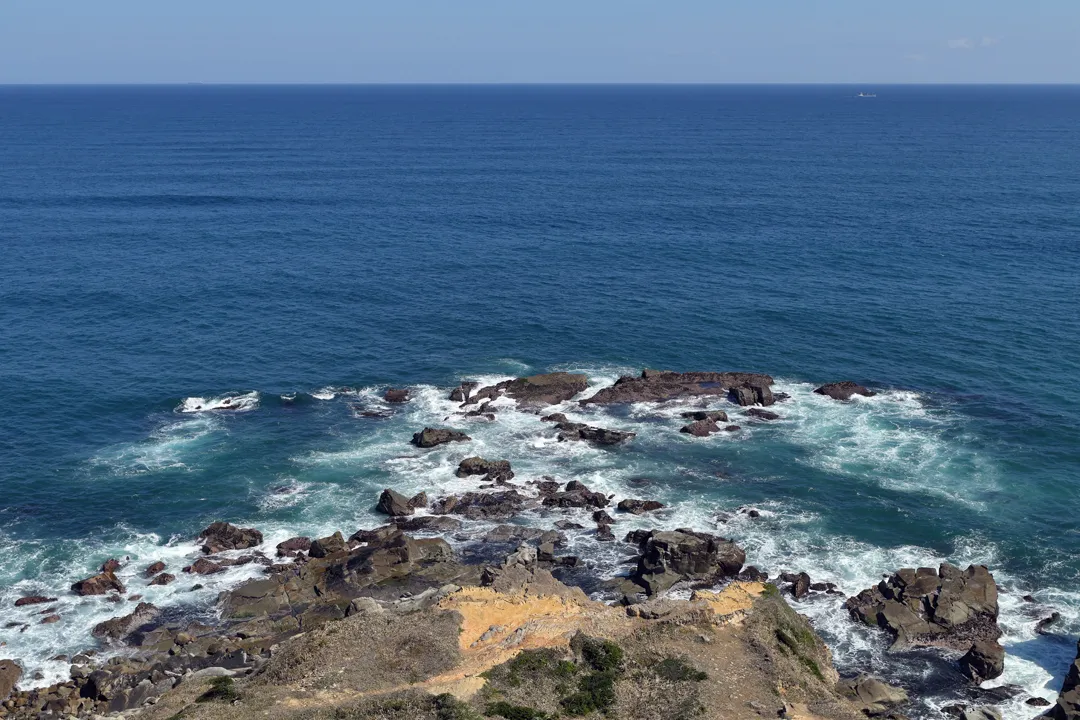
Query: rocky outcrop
x: 872, y: 696
x: 33, y: 600
x: 984, y: 661
x: 576, y: 495
x: 669, y: 557
x: 395, y: 504
x: 432, y: 437
x: 396, y: 395
x: 843, y: 390
x: 598, y: 436
x: 99, y: 584
x: 497, y: 471
x: 222, y: 536
x: 463, y: 392
x: 714, y: 415
x: 638, y: 507
x: 535, y: 391
x: 661, y: 385
x: 10, y: 673
x: 1067, y: 706
x: 154, y: 569
x: 325, y: 546
x: 427, y: 523
x: 293, y: 546
x: 481, y: 505
x: 120, y: 627
x: 757, y: 393
x: 945, y: 608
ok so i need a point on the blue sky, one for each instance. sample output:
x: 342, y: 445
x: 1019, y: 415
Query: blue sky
x: 129, y: 41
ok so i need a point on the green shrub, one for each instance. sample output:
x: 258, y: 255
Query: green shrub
x: 678, y: 670
x: 596, y: 691
x: 448, y: 707
x: 514, y: 712
x: 221, y: 688
x: 601, y: 655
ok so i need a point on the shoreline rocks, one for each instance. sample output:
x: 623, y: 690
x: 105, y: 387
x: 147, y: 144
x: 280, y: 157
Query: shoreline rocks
x: 534, y: 391
x: 595, y: 435
x: 670, y: 557
x: 843, y: 390
x: 932, y: 608
x: 100, y: 584
x: 395, y: 504
x: 662, y: 385
x: 432, y: 437
x: 222, y: 536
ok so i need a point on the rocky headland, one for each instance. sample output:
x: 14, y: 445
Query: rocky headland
x: 396, y: 622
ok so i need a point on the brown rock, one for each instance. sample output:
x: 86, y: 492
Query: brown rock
x: 431, y: 437
x: 10, y: 673
x: 111, y: 565
x: 536, y: 390
x: 202, y: 566
x: 50, y: 619
x: 119, y: 628
x: 658, y: 386
x: 396, y: 395
x: 700, y: 428
x: 984, y: 661
x: 669, y: 557
x: 327, y: 545
x: 293, y: 546
x: 163, y: 579
x: 639, y: 507
x: 843, y: 390
x: 221, y: 536
x: 154, y: 569
x: 99, y: 584
x: 33, y: 600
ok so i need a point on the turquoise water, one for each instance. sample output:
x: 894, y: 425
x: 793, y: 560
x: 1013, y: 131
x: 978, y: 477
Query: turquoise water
x: 163, y: 244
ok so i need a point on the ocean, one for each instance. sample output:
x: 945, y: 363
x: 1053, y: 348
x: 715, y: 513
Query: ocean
x: 301, y: 249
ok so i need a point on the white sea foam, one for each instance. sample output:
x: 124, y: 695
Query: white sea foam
x: 168, y: 447
x: 240, y: 402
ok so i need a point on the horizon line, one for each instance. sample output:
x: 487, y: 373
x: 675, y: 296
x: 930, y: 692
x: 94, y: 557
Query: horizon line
x: 628, y: 83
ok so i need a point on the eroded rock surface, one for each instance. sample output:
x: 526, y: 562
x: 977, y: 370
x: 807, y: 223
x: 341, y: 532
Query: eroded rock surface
x: 432, y: 437
x: 535, y: 391
x: 669, y: 557
x: 662, y: 385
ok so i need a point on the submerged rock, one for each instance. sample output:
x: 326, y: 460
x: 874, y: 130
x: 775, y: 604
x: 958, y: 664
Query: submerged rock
x: 431, y: 437
x: 669, y: 557
x: 662, y: 385
x: 221, y: 536
x: 843, y: 390
x: 944, y: 608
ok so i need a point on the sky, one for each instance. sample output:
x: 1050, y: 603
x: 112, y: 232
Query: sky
x: 550, y: 41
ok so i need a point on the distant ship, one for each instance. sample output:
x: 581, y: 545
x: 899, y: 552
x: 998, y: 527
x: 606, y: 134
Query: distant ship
x: 862, y: 94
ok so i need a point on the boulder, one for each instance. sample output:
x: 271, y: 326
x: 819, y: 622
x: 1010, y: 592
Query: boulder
x: 463, y: 391
x: 714, y: 415
x: 762, y: 414
x: 324, y: 546
x: 431, y: 437
x: 1042, y: 626
x: 120, y: 627
x: 293, y: 546
x: 598, y: 436
x: 752, y: 574
x: 660, y: 385
x: 222, y: 536
x: 800, y: 584
x: 576, y: 495
x: 752, y: 393
x: 111, y: 565
x: 153, y: 569
x: 495, y: 470
x: 947, y: 608
x: 871, y: 695
x: 99, y: 584
x: 395, y: 504
x: 700, y: 428
x: 669, y: 557
x: 1067, y: 706
x: 984, y: 661
x: 202, y: 566
x: 10, y: 673
x: 481, y: 505
x: 843, y: 390
x: 536, y: 391
x: 638, y: 507
x: 163, y: 579
x: 396, y: 395
x: 33, y: 600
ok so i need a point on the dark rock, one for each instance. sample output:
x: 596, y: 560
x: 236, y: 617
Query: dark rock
x: 10, y: 673
x: 576, y: 495
x: 463, y: 391
x: 658, y: 386
x: 752, y: 574
x: 568, y: 525
x: 714, y: 415
x: 536, y: 390
x: 111, y: 565
x: 800, y: 586
x: 603, y: 533
x: 481, y: 506
x: 601, y: 517
x: 1037, y: 702
x: 154, y: 569
x: 99, y: 584
x: 752, y: 394
x: 428, y: 523
x: 202, y: 566
x: 221, y: 536
x: 984, y: 661
x: 762, y: 414
x: 944, y: 608
x: 732, y: 428
x: 555, y: 418
x: 1046, y: 622
x: 163, y: 579
x: 700, y: 428
x: 396, y: 395
x: 843, y: 390
x: 50, y: 619
x: 1067, y: 706
x: 1029, y: 599
x: 639, y: 507
x: 395, y: 504
x: 33, y: 600
x: 327, y: 545
x: 431, y: 437
x: 120, y: 627
x: 293, y: 546
x: 599, y: 436
x: 871, y: 695
x: 497, y: 471
x: 669, y: 557
x: 548, y: 487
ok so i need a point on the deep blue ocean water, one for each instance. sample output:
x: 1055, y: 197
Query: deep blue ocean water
x: 166, y: 243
